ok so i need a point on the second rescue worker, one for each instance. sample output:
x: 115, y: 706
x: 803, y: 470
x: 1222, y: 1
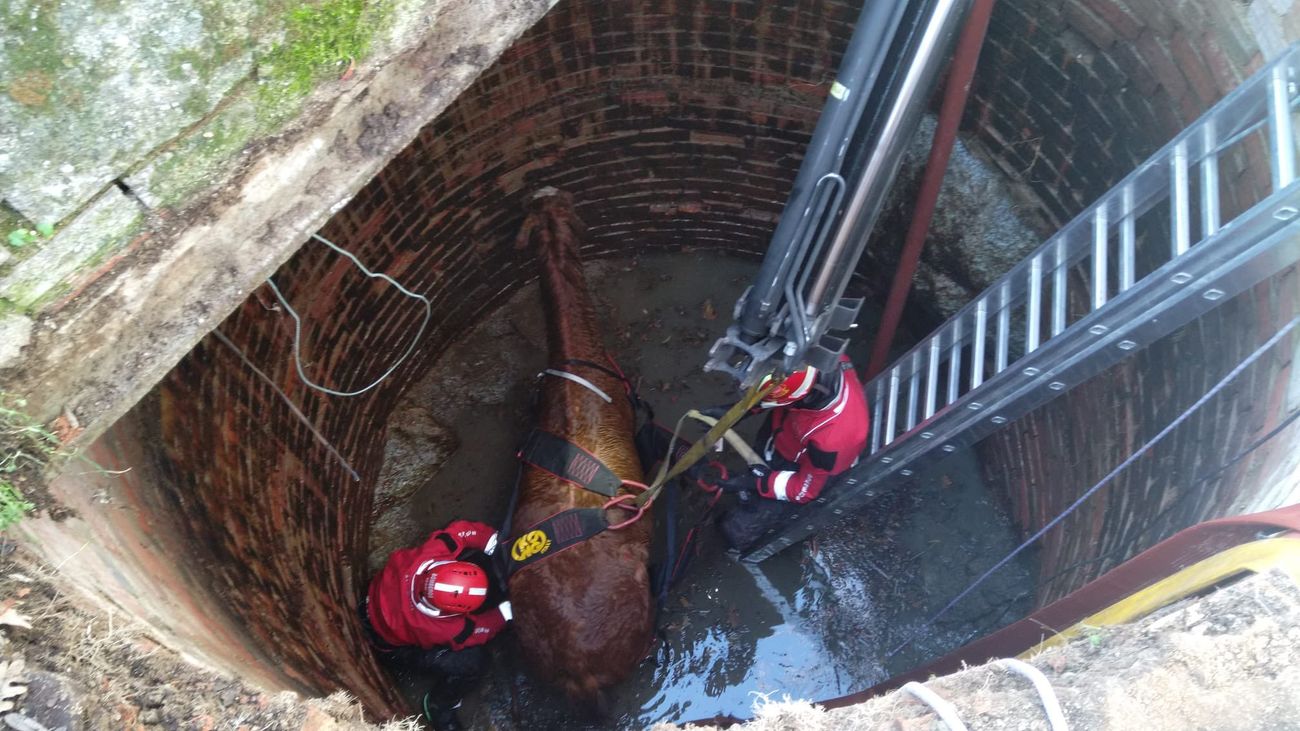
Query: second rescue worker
x: 817, y: 426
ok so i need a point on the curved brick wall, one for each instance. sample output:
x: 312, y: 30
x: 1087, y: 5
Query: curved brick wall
x: 675, y: 124
x: 681, y: 127
x: 1070, y: 97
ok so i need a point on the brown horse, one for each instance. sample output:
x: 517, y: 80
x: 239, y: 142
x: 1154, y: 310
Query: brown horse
x: 582, y: 616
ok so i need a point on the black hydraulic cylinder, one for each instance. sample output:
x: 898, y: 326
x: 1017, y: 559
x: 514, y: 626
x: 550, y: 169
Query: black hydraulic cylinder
x: 863, y: 59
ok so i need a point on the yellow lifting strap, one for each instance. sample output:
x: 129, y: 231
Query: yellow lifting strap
x: 701, y: 446
x: 1257, y: 556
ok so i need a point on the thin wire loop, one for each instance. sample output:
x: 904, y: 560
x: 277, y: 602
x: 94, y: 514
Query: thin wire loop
x: 297, y: 323
x: 293, y: 408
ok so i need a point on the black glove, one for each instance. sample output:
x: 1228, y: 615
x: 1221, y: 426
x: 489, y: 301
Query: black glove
x: 743, y: 482
x: 746, y: 481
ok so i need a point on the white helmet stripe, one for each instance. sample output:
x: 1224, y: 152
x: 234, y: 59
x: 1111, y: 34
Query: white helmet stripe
x: 472, y: 591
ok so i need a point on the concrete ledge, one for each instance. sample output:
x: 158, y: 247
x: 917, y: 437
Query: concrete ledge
x: 104, y: 347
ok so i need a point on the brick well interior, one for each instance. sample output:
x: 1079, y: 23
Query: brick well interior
x: 681, y: 123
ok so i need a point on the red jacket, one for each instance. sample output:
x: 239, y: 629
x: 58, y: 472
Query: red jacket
x: 809, y: 446
x: 401, y: 618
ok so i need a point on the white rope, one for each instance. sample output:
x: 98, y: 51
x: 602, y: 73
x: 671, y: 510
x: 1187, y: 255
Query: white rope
x: 1046, y: 693
x: 578, y: 380
x: 947, y: 712
x: 297, y: 323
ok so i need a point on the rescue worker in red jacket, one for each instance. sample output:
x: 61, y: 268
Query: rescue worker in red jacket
x: 424, y: 613
x: 816, y: 428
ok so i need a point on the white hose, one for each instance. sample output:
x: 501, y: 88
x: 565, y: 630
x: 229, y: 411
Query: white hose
x: 947, y: 711
x: 1045, y: 691
x: 736, y: 441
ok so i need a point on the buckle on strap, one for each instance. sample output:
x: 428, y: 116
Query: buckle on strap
x: 569, y: 462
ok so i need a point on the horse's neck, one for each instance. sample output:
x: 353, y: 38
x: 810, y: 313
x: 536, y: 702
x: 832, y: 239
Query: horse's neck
x: 571, y: 317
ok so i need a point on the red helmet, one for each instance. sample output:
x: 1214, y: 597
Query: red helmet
x: 455, y: 587
x: 794, y: 387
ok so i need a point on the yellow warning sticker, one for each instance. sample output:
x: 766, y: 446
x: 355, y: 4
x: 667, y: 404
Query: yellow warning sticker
x: 839, y: 91
x: 530, y: 544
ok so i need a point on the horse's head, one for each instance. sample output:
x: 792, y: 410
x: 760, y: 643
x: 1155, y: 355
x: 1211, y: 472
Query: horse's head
x: 551, y: 222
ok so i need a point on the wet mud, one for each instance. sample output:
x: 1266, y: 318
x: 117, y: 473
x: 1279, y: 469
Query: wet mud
x: 819, y: 620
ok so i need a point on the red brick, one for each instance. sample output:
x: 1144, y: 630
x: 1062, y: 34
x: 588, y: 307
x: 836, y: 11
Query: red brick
x: 1191, y: 106
x: 1161, y: 64
x: 1154, y: 16
x: 1226, y: 73
x: 1194, y: 69
x: 1117, y: 16
x: 1168, y: 117
x: 1089, y: 25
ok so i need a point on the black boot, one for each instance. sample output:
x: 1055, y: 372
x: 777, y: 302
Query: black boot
x: 440, y: 712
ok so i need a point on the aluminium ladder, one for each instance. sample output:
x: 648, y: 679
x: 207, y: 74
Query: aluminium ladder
x: 1065, y: 313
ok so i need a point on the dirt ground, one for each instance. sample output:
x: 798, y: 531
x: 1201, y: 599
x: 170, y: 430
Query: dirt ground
x: 1226, y: 661
x: 67, y: 666
x: 1229, y: 661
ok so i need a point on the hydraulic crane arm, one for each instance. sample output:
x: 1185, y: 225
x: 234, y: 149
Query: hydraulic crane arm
x: 785, y: 318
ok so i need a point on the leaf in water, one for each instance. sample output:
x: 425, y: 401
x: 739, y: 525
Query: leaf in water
x: 708, y: 311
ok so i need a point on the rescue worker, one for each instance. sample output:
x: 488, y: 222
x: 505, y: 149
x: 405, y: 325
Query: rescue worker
x: 816, y: 427
x: 424, y: 613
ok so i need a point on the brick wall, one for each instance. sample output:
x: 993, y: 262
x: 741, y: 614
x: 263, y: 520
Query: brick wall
x: 1071, y: 95
x: 674, y: 124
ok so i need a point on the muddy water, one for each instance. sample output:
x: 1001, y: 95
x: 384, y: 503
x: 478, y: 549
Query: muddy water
x: 816, y: 621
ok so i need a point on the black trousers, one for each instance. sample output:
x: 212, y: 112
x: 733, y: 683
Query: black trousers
x: 749, y: 519
x: 452, y: 671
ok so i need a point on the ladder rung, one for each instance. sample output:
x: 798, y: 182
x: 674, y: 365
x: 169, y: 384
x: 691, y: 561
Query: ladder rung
x: 1209, y: 184
x: 1127, y: 242
x: 1180, y: 206
x: 1034, y: 311
x: 1279, y: 108
x: 932, y: 378
x: 891, y: 413
x: 954, y: 362
x: 913, y: 390
x: 981, y: 334
x: 1058, y: 289
x: 1100, y: 269
x: 1004, y: 328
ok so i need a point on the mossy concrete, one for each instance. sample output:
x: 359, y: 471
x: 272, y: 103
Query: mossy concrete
x: 222, y: 212
x: 88, y: 88
x: 15, y: 333
x: 106, y: 225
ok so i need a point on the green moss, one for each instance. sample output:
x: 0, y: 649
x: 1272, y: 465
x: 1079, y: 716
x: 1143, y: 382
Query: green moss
x: 19, y: 236
x: 33, y: 43
x: 26, y: 448
x: 11, y: 220
x: 320, y: 39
